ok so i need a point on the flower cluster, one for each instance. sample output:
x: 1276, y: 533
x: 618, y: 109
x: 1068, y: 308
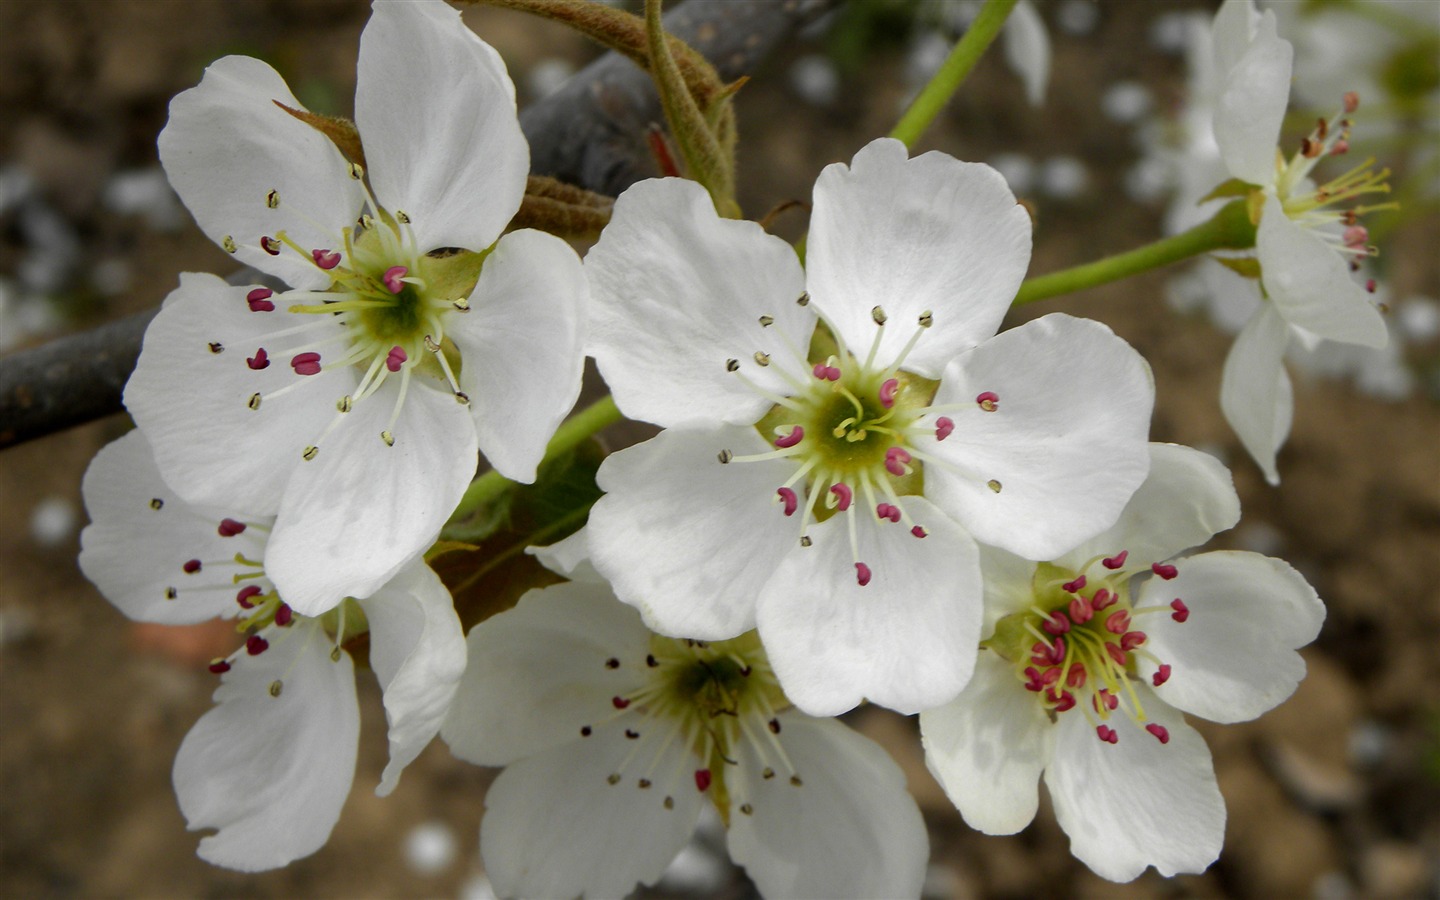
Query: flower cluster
x: 862, y: 490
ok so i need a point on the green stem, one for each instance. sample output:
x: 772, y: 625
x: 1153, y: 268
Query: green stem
x: 1230, y: 229
x: 968, y: 50
x: 571, y: 434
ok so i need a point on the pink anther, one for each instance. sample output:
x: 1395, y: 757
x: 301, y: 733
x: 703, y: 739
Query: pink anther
x: 1340, y: 148
x: 943, y: 427
x: 1182, y: 612
x: 796, y: 435
x: 1132, y: 639
x: 1032, y: 680
x: 1355, y: 236
x: 1116, y: 653
x: 1065, y: 702
x: 1370, y: 285
x: 1077, y: 676
x: 191, y: 566
x: 1050, y: 676
x: 1118, y: 622
x: 392, y: 278
x: 220, y: 666
x: 326, y: 259
x: 895, y: 461
x: 259, y: 300
x: 1071, y: 587
x: 284, y: 615
x: 1107, y: 734
x: 261, y: 360
x: 256, y: 645
x: 918, y: 532
x: 862, y: 573
x: 1116, y: 561
x: 1161, y: 734
x: 1103, y: 599
x: 1081, y: 611
x: 1056, y: 623
x: 843, y: 495
x: 791, y: 501
x: 702, y: 780
x: 1048, y: 654
x: 306, y: 363
x: 1161, y: 675
x: 1352, y: 101
x: 620, y: 702
x: 1164, y: 570
x: 887, y: 392
x: 269, y: 245
x: 395, y: 359
x: 246, y: 594
x: 988, y: 401
x: 230, y: 527
x: 887, y: 511
x: 826, y: 373
x: 1106, y: 699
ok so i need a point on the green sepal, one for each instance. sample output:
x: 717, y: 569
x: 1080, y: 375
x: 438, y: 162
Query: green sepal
x: 1232, y: 188
x: 1247, y: 266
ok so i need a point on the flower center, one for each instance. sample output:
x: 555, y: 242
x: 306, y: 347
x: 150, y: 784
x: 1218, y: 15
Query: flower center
x: 383, y: 313
x: 1317, y: 207
x: 1076, y: 647
x: 850, y: 426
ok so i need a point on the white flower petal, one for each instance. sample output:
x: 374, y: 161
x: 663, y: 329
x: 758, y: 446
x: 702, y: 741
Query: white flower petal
x: 1233, y: 30
x: 1234, y: 657
x: 1251, y: 105
x: 522, y: 348
x: 910, y: 235
x: 849, y: 829
x: 906, y: 640
x: 358, y: 512
x: 192, y: 402
x: 676, y: 291
x: 688, y: 541
x: 227, y: 146
x: 417, y: 650
x: 272, y: 772
x: 1009, y: 585
x: 1027, y: 50
x: 1311, y: 284
x: 570, y: 558
x: 556, y: 827
x: 1187, y: 498
x: 135, y: 553
x: 1067, y: 445
x: 1255, y: 392
x: 537, y: 673
x: 988, y: 746
x: 1137, y: 802
x: 436, y: 112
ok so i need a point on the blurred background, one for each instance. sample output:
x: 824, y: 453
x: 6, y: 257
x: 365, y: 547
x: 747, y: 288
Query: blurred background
x: 1332, y: 795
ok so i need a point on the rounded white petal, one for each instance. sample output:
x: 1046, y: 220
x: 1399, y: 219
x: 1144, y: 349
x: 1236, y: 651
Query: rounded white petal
x: 1255, y: 392
x: 848, y: 829
x: 1251, y: 105
x: 1137, y: 802
x: 141, y: 535
x: 227, y: 146
x: 911, y: 235
x: 1234, y: 657
x: 555, y: 826
x: 537, y: 673
x: 1311, y: 284
x: 676, y: 291
x: 522, y: 348
x: 436, y: 112
x: 686, y: 540
x: 1187, y: 498
x: 272, y: 772
x: 905, y: 640
x: 988, y: 746
x: 358, y: 512
x: 1027, y: 50
x: 1067, y: 445
x: 417, y: 650
x: 192, y: 401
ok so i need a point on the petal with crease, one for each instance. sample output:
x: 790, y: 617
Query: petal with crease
x: 1255, y: 392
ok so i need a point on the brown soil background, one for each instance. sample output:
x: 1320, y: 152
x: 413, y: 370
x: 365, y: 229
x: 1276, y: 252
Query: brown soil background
x: 1331, y: 795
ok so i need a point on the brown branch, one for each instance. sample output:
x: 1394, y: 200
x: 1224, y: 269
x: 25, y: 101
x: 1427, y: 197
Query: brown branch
x: 590, y: 133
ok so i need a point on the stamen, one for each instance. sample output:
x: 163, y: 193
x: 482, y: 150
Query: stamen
x: 1161, y: 734
x: 256, y: 645
x: 259, y: 300
x: 944, y: 426
x: 230, y: 527
x: 843, y: 495
x: 392, y: 278
x: 988, y: 401
x: 1116, y: 561
x: 887, y: 392
x: 1182, y: 612
x: 260, y: 360
x: 395, y: 359
x: 306, y: 363
x: 1161, y: 675
x: 325, y: 259
x: 1164, y: 570
x: 790, y: 500
x: 796, y: 435
x: 1107, y: 734
x: 862, y: 573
